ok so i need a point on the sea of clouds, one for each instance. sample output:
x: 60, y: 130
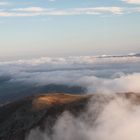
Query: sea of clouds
x: 83, y: 74
x: 117, y: 119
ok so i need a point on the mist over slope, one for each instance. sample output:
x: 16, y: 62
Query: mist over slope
x: 72, y: 117
x: 107, y: 117
x: 106, y: 107
x: 84, y: 74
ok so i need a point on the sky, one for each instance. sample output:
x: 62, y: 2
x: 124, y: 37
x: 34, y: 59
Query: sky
x: 54, y: 28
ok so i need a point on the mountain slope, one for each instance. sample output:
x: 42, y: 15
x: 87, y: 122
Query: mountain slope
x: 18, y: 118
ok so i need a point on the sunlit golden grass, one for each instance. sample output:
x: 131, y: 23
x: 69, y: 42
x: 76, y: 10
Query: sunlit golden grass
x: 42, y: 101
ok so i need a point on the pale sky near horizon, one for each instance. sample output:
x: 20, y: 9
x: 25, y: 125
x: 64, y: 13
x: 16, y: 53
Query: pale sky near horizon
x: 67, y: 27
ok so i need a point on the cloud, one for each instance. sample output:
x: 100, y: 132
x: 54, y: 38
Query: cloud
x: 35, y: 11
x: 102, y: 76
x: 13, y: 14
x: 125, y: 83
x: 103, y: 120
x: 30, y: 9
x: 132, y: 1
x: 114, y: 10
x: 90, y: 74
x: 41, y: 11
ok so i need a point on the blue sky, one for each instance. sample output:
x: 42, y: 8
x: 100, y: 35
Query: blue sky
x: 68, y: 27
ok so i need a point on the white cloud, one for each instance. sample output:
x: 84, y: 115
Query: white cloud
x: 34, y: 11
x: 105, y: 74
x: 5, y: 14
x: 38, y: 11
x: 30, y: 9
x: 125, y: 83
x: 94, y: 10
x: 13, y: 14
x: 132, y: 1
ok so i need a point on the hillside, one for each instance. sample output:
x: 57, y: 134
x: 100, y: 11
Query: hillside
x: 18, y: 118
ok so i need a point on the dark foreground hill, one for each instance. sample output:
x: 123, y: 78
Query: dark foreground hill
x: 18, y: 118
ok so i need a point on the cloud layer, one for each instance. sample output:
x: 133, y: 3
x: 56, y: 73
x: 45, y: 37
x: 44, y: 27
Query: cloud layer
x: 41, y: 11
x: 36, y: 11
x: 33, y: 10
x: 103, y: 74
